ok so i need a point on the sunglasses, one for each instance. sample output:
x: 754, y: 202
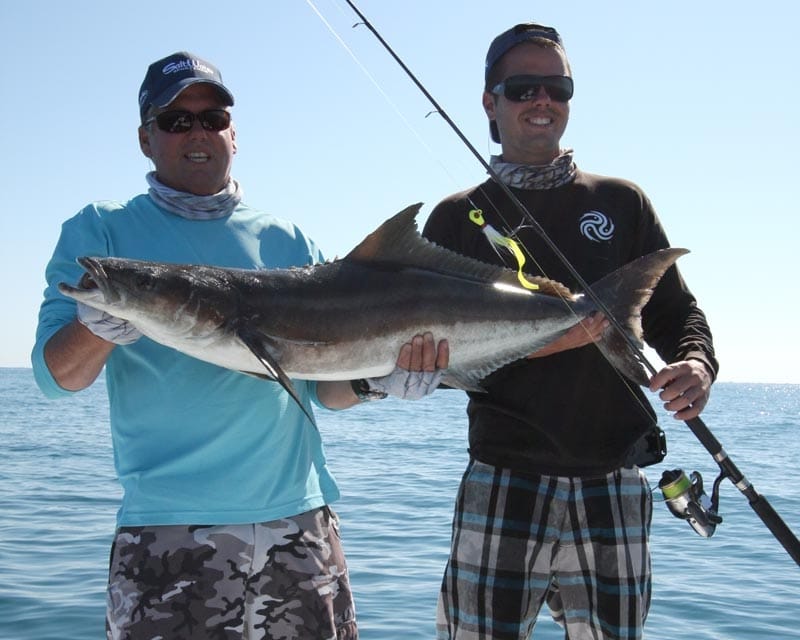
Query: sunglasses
x: 180, y: 121
x: 522, y: 88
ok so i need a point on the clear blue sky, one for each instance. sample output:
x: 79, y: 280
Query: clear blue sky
x: 695, y: 101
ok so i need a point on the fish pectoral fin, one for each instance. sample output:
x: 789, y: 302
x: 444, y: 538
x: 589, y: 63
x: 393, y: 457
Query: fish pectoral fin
x: 255, y: 342
x: 261, y: 376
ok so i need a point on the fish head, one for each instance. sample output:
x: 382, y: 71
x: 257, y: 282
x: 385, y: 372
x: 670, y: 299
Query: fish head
x: 167, y: 302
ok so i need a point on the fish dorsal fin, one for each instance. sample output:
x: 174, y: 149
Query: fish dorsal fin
x: 398, y: 241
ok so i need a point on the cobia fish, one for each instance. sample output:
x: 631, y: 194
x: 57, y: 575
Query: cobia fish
x: 347, y: 319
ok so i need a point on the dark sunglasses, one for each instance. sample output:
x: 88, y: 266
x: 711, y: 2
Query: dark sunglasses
x: 522, y: 88
x: 180, y: 121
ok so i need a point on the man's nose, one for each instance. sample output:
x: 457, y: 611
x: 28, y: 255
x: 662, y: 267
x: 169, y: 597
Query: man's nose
x: 539, y: 94
x: 197, y: 129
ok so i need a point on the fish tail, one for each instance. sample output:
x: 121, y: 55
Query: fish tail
x: 625, y: 292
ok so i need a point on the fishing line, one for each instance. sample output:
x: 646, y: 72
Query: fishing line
x: 729, y: 470
x: 527, y: 216
x: 380, y: 90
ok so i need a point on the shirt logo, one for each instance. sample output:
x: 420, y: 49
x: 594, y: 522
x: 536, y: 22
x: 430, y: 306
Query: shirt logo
x: 596, y: 226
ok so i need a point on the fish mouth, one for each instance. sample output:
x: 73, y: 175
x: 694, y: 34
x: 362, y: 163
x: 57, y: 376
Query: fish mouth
x: 95, y: 276
x: 93, y: 285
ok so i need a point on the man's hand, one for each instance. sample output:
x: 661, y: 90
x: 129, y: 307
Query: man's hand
x: 422, y: 354
x: 106, y: 326
x: 685, y: 388
x: 419, y: 369
x: 586, y: 332
x: 420, y: 366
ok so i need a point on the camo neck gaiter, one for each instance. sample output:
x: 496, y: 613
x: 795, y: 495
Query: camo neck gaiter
x: 194, y: 207
x: 536, y: 177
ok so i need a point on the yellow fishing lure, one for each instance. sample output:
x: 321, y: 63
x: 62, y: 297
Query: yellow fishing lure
x: 497, y: 239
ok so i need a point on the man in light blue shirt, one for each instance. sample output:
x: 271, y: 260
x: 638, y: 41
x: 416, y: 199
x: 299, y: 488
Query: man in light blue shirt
x: 224, y: 529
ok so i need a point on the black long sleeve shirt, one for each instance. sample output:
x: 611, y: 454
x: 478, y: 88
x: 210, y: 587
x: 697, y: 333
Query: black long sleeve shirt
x: 571, y: 413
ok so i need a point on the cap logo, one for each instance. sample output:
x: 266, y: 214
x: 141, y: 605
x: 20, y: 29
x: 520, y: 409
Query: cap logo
x: 186, y: 65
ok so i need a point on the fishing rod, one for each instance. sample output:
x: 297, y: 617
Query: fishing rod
x: 728, y: 469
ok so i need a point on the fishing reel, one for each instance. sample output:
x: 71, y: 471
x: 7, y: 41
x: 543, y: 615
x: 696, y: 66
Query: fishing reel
x: 687, y: 500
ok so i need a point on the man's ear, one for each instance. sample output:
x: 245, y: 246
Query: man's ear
x: 489, y: 104
x: 144, y: 141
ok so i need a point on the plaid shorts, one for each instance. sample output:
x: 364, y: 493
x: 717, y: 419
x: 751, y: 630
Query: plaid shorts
x: 282, y: 579
x: 581, y: 544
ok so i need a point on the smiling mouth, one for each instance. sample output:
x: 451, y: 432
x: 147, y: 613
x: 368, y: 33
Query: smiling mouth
x: 539, y: 121
x: 198, y: 156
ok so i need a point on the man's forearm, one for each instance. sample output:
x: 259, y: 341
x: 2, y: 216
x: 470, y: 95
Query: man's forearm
x: 75, y: 356
x: 336, y: 395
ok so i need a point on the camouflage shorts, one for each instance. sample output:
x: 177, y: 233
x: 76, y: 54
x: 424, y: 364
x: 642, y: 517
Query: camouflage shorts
x: 283, y: 579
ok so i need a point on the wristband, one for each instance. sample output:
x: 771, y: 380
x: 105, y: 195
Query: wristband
x: 363, y: 391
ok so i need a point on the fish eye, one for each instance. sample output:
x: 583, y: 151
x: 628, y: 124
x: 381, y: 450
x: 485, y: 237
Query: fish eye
x: 144, y: 281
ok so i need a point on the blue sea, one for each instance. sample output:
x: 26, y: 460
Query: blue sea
x: 398, y: 465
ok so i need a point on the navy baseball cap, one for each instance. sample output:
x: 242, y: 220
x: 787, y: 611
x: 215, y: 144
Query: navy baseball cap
x: 167, y: 77
x: 517, y: 35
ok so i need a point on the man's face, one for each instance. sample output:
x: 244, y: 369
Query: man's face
x: 530, y: 131
x: 198, y: 161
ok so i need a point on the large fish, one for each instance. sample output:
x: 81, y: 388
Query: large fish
x: 348, y: 318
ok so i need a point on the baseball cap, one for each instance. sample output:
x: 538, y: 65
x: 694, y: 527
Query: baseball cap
x: 167, y: 77
x: 517, y: 35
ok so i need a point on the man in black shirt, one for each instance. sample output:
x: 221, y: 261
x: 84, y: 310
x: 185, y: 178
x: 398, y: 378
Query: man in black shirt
x: 553, y: 504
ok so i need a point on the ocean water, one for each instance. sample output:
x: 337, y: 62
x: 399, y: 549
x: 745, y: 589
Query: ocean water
x: 398, y: 465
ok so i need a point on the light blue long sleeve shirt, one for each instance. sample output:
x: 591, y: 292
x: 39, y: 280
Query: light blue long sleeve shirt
x: 193, y: 443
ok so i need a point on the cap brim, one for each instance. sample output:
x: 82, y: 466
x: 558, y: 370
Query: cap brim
x: 166, y: 97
